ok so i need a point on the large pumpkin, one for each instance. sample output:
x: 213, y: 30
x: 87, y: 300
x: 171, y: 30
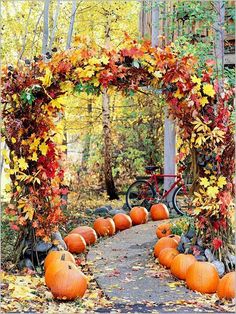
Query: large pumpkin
x: 87, y: 233
x: 166, y: 256
x: 104, y: 226
x: 227, y: 286
x: 138, y: 215
x: 164, y: 243
x: 68, y: 283
x: 159, y: 212
x: 55, y: 255
x: 202, y: 277
x: 163, y: 230
x: 180, y: 265
x: 122, y: 221
x: 75, y: 243
x: 53, y: 268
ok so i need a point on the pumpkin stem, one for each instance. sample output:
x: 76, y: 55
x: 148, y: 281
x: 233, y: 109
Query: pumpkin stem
x: 69, y: 266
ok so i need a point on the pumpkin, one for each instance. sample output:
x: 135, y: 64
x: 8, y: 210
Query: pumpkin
x: 202, y: 277
x: 53, y: 268
x: 69, y: 283
x: 139, y: 215
x: 175, y: 237
x: 180, y: 265
x: 159, y: 212
x: 87, y: 233
x: 55, y: 255
x: 164, y: 243
x: 104, y: 226
x: 75, y: 243
x: 122, y: 221
x: 163, y: 230
x: 226, y: 286
x: 166, y: 256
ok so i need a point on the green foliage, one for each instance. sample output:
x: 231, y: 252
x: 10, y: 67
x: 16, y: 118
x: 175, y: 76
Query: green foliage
x: 181, y: 225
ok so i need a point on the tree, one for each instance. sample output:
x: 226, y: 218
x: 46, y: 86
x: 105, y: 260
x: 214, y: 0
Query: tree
x: 45, y: 28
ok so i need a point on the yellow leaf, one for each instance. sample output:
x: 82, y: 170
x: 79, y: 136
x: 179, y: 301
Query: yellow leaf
x: 29, y: 210
x: 204, y: 182
x: 178, y: 95
x: 212, y: 191
x: 13, y: 140
x: 203, y: 101
x: 196, y: 79
x: 34, y: 157
x: 157, y: 74
x: 105, y: 60
x: 47, y: 79
x: 22, y: 163
x: 221, y: 182
x: 43, y: 148
x: 208, y: 90
x: 8, y: 188
x: 34, y: 145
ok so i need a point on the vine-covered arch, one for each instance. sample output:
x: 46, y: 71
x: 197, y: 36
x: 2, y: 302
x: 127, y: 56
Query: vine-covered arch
x: 32, y: 98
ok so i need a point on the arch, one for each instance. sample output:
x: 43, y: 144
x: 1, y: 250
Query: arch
x: 32, y: 98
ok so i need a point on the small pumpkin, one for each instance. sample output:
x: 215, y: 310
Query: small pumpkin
x: 54, y: 267
x: 122, y: 221
x: 226, y: 286
x: 69, y: 283
x: 180, y: 265
x: 104, y: 226
x: 87, y: 233
x: 159, y: 212
x: 55, y: 255
x: 164, y: 243
x: 175, y: 237
x: 163, y: 230
x: 138, y: 215
x: 75, y: 243
x: 166, y: 256
x: 202, y: 277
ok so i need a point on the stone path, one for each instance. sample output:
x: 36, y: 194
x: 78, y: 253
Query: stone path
x: 120, y: 267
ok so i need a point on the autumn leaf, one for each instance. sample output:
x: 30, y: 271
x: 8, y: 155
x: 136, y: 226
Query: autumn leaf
x: 43, y: 148
x: 13, y: 140
x: 208, y: 90
x: 221, y: 182
x: 212, y: 191
x: 203, y: 101
x: 47, y: 78
x: 8, y: 188
x: 22, y: 163
x: 29, y: 211
x: 34, y: 157
x: 204, y: 182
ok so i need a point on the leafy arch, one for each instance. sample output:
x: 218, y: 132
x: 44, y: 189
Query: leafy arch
x: 32, y: 99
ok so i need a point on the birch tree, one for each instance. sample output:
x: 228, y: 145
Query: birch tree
x: 71, y: 26
x: 45, y: 27
x: 54, y: 27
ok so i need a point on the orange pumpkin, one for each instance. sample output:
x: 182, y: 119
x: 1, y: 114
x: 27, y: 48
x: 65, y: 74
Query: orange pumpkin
x: 175, y: 237
x: 55, y: 255
x: 75, y: 243
x: 53, y: 268
x: 87, y: 233
x: 159, y: 212
x: 180, y: 265
x: 104, y: 226
x: 122, y: 221
x: 202, y: 277
x: 163, y: 230
x: 164, y: 243
x: 226, y: 286
x: 69, y: 283
x: 166, y: 256
x: 139, y: 215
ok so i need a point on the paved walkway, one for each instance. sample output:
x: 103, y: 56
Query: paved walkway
x: 120, y: 266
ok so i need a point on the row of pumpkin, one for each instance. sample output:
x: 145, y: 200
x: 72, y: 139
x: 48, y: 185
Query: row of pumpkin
x: 199, y: 276
x: 62, y: 276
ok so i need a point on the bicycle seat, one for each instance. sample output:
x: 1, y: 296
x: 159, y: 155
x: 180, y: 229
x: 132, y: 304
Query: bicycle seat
x: 151, y: 168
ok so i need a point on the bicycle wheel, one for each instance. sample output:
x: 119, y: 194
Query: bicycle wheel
x: 182, y: 201
x: 140, y: 193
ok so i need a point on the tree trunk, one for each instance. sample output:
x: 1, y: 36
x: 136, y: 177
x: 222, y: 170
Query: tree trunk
x: 86, y: 150
x: 45, y: 28
x: 71, y: 27
x: 109, y: 181
x: 55, y: 18
x: 219, y: 7
x: 155, y: 23
x: 25, y: 36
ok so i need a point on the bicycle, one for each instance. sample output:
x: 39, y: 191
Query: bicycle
x: 145, y: 192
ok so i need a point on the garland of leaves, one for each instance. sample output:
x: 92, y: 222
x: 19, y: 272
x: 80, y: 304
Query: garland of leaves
x: 33, y: 100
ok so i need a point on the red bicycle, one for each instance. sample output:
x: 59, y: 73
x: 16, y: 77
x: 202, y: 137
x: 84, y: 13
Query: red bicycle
x: 145, y: 192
